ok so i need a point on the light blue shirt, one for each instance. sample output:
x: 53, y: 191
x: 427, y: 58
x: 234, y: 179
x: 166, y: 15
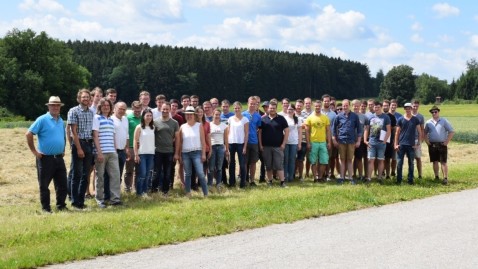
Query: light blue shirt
x: 51, y: 134
x: 438, y: 131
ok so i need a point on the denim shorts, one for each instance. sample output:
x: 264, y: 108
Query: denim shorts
x: 377, y: 151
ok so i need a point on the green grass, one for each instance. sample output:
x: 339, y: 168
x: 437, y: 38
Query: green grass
x: 29, y: 238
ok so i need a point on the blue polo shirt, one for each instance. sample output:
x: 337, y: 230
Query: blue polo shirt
x: 254, y: 123
x: 51, y: 134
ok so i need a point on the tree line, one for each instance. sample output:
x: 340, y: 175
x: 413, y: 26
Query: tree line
x: 34, y: 66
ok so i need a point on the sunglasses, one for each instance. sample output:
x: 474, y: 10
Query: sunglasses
x: 434, y: 112
x: 339, y: 109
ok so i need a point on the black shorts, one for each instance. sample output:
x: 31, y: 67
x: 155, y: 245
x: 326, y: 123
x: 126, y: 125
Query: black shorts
x: 361, y: 151
x: 389, y: 151
x: 438, y: 152
x: 302, y: 152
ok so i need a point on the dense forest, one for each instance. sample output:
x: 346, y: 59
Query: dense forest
x: 234, y: 74
x: 35, y: 66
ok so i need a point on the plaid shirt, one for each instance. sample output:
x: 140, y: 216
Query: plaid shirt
x: 83, y: 118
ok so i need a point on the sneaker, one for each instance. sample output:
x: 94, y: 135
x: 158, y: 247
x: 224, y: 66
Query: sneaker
x: 47, y: 211
x: 380, y: 181
x: 393, y: 174
x: 145, y: 196
x: 419, y: 177
x: 118, y: 203
x: 301, y: 179
x: 340, y: 181
x: 283, y: 185
x: 445, y: 181
x: 352, y: 182
x: 252, y: 184
x: 102, y: 205
x: 437, y: 178
x: 127, y: 189
x: 63, y: 208
x: 332, y: 176
x: 387, y: 177
x: 269, y: 183
x: 368, y: 181
x: 78, y: 207
x: 411, y: 183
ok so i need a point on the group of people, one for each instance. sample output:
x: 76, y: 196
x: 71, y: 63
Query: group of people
x: 207, y: 142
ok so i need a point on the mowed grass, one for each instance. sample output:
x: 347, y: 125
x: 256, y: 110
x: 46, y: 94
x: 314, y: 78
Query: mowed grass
x: 29, y: 238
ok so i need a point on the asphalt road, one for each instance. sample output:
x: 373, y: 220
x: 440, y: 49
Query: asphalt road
x: 437, y: 232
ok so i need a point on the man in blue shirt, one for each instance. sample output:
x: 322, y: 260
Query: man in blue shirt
x: 49, y: 156
x: 252, y: 151
x: 404, y: 143
x: 346, y: 135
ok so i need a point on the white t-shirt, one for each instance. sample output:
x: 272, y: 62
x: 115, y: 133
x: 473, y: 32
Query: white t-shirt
x: 236, y: 130
x: 293, y: 138
x: 217, y: 133
x: 191, y: 137
x: 121, y: 131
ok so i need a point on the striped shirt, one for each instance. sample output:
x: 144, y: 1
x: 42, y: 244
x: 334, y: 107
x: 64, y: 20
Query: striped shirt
x: 83, y: 118
x: 106, y: 133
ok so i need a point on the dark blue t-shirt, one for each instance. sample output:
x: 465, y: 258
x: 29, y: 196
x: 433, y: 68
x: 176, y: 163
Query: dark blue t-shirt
x: 407, y: 130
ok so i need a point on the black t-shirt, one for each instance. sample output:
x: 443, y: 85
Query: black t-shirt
x: 273, y: 130
x: 393, y: 123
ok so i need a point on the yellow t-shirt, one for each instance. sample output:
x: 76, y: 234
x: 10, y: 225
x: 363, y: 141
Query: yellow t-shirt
x: 317, y: 125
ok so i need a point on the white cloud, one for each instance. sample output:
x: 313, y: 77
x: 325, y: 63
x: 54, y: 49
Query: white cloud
x: 328, y: 25
x: 393, y: 50
x: 474, y: 41
x: 129, y: 12
x: 416, y: 38
x: 443, y: 10
x: 42, y: 6
x: 417, y: 26
x: 335, y: 52
x: 446, y: 38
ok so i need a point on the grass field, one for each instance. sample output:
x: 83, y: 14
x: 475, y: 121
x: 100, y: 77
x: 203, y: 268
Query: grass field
x: 29, y: 238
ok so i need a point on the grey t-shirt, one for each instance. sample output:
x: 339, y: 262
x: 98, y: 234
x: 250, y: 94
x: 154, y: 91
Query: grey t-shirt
x: 164, y: 132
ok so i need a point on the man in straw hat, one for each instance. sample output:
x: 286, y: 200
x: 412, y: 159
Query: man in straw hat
x: 50, y: 131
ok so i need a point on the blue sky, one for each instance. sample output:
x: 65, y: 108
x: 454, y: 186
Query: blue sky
x: 433, y: 37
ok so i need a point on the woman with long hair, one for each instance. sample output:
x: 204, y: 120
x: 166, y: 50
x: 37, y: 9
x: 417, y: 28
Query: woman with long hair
x: 237, y: 136
x: 192, y: 150
x: 144, y: 148
x: 218, y: 138
x: 293, y: 145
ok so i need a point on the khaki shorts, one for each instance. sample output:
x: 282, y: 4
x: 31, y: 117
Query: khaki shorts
x: 346, y: 151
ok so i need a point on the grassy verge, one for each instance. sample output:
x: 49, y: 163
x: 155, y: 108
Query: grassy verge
x: 29, y: 238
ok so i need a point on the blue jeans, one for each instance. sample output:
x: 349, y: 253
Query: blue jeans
x: 146, y: 164
x: 193, y: 159
x: 233, y: 149
x: 215, y: 164
x: 81, y: 170
x: 163, y: 163
x: 410, y: 153
x: 290, y: 154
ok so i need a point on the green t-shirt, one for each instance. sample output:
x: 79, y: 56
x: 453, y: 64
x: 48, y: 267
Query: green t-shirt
x: 132, y: 123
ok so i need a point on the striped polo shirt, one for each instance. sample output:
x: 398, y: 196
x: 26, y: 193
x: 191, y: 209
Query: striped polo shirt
x: 106, y: 133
